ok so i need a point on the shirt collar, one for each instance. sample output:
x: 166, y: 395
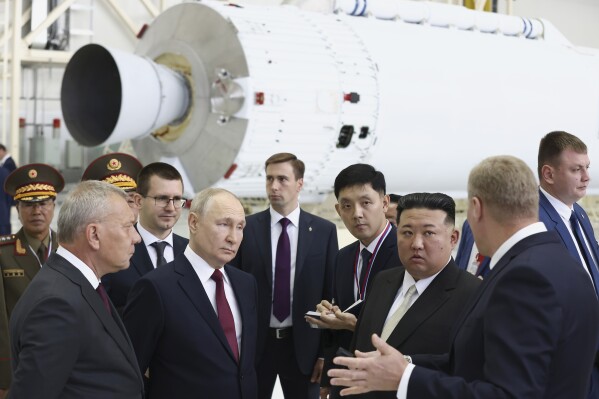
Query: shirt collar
x: 201, y: 267
x: 34, y: 243
x: 150, y: 238
x: 4, y: 158
x: 421, y: 284
x: 293, y: 217
x: 372, y: 245
x: 562, y: 209
x: 87, y: 272
x: 521, y: 234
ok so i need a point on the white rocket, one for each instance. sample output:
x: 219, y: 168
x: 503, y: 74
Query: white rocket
x: 422, y: 91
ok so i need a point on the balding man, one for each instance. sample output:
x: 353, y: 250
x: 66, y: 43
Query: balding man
x: 193, y: 321
x: 530, y: 330
x: 67, y: 340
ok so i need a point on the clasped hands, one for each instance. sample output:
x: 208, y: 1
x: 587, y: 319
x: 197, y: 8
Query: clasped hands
x: 332, y: 317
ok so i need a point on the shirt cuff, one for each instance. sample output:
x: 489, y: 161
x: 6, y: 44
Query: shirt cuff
x: 402, y: 391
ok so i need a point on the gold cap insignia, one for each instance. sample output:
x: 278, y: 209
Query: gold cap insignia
x: 32, y: 173
x: 114, y: 164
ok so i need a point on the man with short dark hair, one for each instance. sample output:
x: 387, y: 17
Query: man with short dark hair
x: 34, y: 188
x: 528, y: 332
x: 391, y: 213
x: 159, y: 198
x: 6, y: 160
x: 414, y: 307
x: 360, y: 190
x: 194, y: 323
x: 291, y: 253
x: 67, y: 339
x: 563, y: 165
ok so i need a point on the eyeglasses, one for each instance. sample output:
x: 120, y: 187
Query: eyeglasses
x: 163, y: 201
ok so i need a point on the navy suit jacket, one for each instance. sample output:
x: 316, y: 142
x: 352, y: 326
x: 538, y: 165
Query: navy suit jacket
x: 343, y: 287
x: 465, y: 250
x: 119, y: 284
x: 316, y: 249
x: 66, y: 345
x: 177, y: 335
x: 530, y: 331
x: 553, y: 221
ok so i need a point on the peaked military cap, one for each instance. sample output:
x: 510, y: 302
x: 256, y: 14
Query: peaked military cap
x: 117, y: 168
x: 34, y: 182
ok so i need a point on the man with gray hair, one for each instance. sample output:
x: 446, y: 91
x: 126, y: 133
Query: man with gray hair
x: 193, y: 321
x: 67, y: 340
x: 529, y: 331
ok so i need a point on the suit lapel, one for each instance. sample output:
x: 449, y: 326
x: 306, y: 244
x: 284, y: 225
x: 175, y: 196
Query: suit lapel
x: 193, y: 288
x: 558, y: 225
x: 244, y: 310
x: 264, y: 243
x: 387, y: 249
x: 426, y: 305
x: 387, y: 296
x: 345, y: 281
x: 113, y: 327
x: 304, y: 241
x: 179, y: 244
x: 141, y: 259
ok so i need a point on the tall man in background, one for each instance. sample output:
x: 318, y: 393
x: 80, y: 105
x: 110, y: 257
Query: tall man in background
x: 159, y: 199
x: 34, y: 188
x: 563, y: 165
x: 291, y: 253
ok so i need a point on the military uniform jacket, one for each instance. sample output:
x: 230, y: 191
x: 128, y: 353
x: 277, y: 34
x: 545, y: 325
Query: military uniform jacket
x: 19, y: 265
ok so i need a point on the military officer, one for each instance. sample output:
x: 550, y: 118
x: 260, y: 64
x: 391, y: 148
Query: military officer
x: 34, y: 188
x: 118, y: 169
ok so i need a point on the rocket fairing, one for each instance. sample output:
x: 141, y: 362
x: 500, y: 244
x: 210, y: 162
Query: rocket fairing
x: 422, y: 91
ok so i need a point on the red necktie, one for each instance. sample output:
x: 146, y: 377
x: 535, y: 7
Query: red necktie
x: 102, y: 292
x: 225, y: 316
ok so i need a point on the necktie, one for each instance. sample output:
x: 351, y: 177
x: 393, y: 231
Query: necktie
x: 282, y: 292
x: 365, y: 259
x: 42, y: 253
x: 578, y: 234
x: 159, y: 246
x: 104, y: 296
x: 399, y: 313
x: 225, y: 316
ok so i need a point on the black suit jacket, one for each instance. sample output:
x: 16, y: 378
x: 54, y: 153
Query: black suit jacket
x: 530, y: 331
x: 316, y: 249
x: 66, y: 345
x: 176, y: 333
x: 119, y: 284
x: 343, y: 287
x: 426, y: 326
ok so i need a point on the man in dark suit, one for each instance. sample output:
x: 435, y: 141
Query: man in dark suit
x: 159, y: 199
x: 528, y: 332
x: 34, y: 188
x: 361, y: 203
x: 468, y: 258
x: 67, y: 339
x: 291, y: 253
x: 193, y: 322
x: 413, y: 309
x: 6, y: 160
x: 563, y: 165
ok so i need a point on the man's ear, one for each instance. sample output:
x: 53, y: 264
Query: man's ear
x: 547, y: 173
x: 92, y: 235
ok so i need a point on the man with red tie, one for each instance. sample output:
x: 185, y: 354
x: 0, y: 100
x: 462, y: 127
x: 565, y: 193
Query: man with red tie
x: 193, y: 322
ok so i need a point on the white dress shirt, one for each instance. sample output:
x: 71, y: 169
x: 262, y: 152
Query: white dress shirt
x: 204, y: 272
x: 293, y: 233
x: 521, y: 234
x: 87, y: 272
x: 149, y: 239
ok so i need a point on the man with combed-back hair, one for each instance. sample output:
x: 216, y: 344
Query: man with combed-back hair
x: 67, y: 339
x: 563, y: 165
x: 193, y: 322
x: 528, y: 332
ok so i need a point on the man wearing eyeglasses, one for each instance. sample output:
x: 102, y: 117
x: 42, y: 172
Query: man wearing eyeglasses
x: 159, y: 198
x: 34, y: 188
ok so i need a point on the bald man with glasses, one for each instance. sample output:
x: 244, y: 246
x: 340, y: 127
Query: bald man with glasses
x: 160, y: 200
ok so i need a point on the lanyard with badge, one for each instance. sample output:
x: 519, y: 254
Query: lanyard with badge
x: 48, y: 250
x: 362, y: 288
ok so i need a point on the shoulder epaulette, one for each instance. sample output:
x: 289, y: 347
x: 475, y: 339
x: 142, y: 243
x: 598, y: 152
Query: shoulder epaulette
x: 8, y: 239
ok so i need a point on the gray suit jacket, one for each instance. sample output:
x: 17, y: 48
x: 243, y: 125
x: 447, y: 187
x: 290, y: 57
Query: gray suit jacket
x: 66, y: 345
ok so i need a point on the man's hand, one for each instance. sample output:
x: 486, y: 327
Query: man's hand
x: 317, y: 372
x: 333, y: 318
x: 380, y: 370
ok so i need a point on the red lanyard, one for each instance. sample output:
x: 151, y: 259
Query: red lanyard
x: 362, y: 288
